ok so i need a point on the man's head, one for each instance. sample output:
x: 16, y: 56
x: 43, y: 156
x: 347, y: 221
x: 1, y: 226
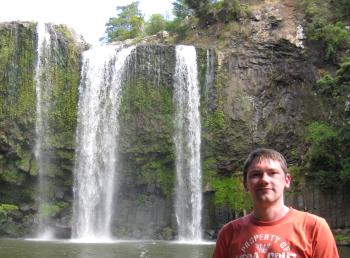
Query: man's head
x: 266, y: 177
x: 262, y: 154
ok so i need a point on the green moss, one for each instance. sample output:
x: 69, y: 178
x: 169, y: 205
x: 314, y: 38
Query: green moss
x: 65, y: 74
x: 7, y: 208
x: 146, y: 119
x: 215, y: 120
x: 17, y: 62
x: 18, y: 167
x: 12, y: 176
x: 153, y: 173
x: 320, y: 132
x: 50, y: 210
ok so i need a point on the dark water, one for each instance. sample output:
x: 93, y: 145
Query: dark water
x: 65, y: 249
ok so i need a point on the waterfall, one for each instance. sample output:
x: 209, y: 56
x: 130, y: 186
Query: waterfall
x: 95, y: 171
x: 42, y: 149
x: 187, y: 138
x: 208, y: 89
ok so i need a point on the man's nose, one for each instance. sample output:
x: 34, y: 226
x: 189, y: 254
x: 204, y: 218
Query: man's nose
x: 264, y: 177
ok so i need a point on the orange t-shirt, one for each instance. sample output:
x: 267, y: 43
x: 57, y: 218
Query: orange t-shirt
x: 298, y: 234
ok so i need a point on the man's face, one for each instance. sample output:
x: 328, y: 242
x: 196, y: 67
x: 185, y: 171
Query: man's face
x: 266, y: 181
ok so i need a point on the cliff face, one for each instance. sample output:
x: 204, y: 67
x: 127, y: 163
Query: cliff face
x: 18, y: 166
x: 256, y: 90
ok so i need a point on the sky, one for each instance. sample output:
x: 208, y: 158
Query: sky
x: 85, y: 17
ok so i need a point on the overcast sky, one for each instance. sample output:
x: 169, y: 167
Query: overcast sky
x: 86, y: 17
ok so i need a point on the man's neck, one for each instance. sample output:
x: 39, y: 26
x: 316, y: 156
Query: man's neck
x: 270, y: 213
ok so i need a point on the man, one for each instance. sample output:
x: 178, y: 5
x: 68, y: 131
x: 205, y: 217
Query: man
x: 273, y: 230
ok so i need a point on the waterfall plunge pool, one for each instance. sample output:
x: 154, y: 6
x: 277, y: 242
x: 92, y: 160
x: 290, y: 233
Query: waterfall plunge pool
x: 20, y: 248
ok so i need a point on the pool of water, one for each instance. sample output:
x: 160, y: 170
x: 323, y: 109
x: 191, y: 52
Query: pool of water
x: 65, y: 249
x: 11, y: 248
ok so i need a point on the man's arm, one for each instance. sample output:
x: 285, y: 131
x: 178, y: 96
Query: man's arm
x: 220, y: 246
x: 324, y: 244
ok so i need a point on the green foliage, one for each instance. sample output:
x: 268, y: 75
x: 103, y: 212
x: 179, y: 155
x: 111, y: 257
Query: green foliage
x: 209, y: 12
x: 215, y: 120
x: 327, y: 85
x: 327, y: 161
x: 343, y: 73
x: 229, y: 192
x: 336, y: 89
x: 181, y: 9
x: 127, y: 25
x: 12, y: 176
x: 295, y: 172
x: 156, y: 23
x: 336, y: 37
x: 324, y: 23
x: 319, y: 133
x: 47, y: 210
x: 179, y: 26
x: 343, y: 8
x: 200, y: 7
x: 317, y: 14
x: 227, y: 10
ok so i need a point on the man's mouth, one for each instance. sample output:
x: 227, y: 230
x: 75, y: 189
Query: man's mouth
x: 263, y: 189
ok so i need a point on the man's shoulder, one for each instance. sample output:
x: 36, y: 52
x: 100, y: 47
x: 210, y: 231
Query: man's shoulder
x: 305, y: 214
x: 307, y: 217
x: 236, y: 223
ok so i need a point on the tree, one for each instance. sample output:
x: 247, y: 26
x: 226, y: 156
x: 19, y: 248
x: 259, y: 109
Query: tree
x: 201, y: 8
x: 229, y: 10
x: 336, y: 38
x: 209, y: 12
x: 128, y: 23
x: 181, y: 9
x: 343, y: 8
x: 155, y: 24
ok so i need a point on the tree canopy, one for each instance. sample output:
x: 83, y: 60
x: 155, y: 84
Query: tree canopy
x: 127, y: 24
x: 155, y: 23
x: 181, y: 9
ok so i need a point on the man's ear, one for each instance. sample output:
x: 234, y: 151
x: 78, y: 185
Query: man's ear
x: 288, y: 180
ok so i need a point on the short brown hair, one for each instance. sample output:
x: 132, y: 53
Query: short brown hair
x: 260, y: 154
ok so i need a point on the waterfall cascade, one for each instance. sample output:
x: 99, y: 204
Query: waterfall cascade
x: 187, y: 138
x: 42, y: 149
x: 96, y: 158
x: 95, y: 171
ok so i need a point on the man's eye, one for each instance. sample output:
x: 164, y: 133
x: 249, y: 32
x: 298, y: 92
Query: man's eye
x: 274, y: 173
x: 255, y: 175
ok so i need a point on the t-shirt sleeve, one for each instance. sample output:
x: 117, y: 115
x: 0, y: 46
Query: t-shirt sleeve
x: 324, y: 243
x: 220, y: 250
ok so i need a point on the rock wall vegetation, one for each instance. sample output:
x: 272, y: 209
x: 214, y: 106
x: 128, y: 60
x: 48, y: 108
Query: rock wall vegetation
x: 18, y: 166
x: 260, y: 86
